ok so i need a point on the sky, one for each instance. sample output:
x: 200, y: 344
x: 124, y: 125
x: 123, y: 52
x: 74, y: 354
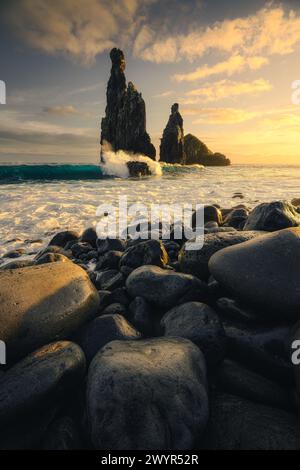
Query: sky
x: 231, y: 66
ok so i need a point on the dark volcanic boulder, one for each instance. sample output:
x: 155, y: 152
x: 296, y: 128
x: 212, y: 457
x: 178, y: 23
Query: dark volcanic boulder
x: 261, y: 349
x: 201, y: 325
x: 235, y: 379
x: 273, y: 216
x: 101, y: 331
x: 146, y: 252
x: 124, y: 125
x: 62, y: 238
x: 137, y: 169
x: 43, y: 303
x: 110, y: 260
x: 149, y: 394
x: 165, y: 288
x: 236, y: 218
x: 263, y: 272
x: 239, y: 424
x: 196, y: 261
x: 110, y: 244
x: 89, y: 236
x: 198, y: 153
x: 39, y: 380
x: 172, y: 142
x: 141, y: 316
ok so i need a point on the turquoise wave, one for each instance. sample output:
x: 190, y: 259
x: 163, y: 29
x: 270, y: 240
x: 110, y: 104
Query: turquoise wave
x: 15, y: 173
x: 51, y: 172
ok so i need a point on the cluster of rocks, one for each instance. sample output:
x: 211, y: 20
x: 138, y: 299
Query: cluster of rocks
x: 124, y: 128
x: 124, y: 124
x: 142, y: 344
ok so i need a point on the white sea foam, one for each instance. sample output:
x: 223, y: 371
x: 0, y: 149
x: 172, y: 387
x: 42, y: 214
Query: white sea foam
x: 35, y: 210
x: 115, y: 163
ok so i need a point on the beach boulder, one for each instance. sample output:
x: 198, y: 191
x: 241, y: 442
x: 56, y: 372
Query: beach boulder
x: 239, y: 424
x: 40, y: 380
x: 200, y: 324
x: 40, y: 304
x: 149, y: 394
x: 164, y: 288
x: 196, y: 261
x: 273, y: 216
x: 102, y: 330
x: 62, y: 238
x: 263, y: 272
x: 146, y: 252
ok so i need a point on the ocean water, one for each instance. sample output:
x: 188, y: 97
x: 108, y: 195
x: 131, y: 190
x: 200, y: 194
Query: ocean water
x: 36, y: 201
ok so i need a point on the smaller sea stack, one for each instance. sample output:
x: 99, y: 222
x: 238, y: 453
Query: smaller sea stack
x: 172, y: 142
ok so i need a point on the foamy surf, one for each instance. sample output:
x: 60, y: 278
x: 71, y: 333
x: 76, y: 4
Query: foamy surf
x: 115, y: 163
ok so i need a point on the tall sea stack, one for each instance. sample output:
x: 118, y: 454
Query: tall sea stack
x: 124, y: 125
x: 172, y: 142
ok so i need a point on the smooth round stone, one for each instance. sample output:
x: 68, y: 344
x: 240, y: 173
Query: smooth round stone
x: 40, y: 304
x: 109, y: 260
x: 262, y: 350
x: 110, y: 244
x: 101, y: 331
x: 165, y: 288
x: 273, y: 216
x: 149, y: 394
x: 236, y: 379
x: 236, y: 218
x: 211, y: 214
x: 90, y: 236
x: 149, y: 252
x: 200, y: 324
x: 263, y: 272
x: 62, y: 238
x: 239, y: 424
x: 196, y: 261
x: 40, y: 379
x: 141, y: 316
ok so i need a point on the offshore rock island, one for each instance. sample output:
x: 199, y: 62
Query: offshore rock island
x: 124, y: 128
x: 124, y: 124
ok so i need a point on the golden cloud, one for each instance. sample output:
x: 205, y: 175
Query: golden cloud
x: 226, y: 89
x: 236, y: 63
x: 271, y: 30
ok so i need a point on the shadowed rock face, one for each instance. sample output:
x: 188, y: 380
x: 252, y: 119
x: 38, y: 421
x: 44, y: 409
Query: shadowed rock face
x: 124, y: 125
x: 172, y: 142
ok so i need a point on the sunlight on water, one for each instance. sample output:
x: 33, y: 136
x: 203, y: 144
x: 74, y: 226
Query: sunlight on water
x: 37, y: 209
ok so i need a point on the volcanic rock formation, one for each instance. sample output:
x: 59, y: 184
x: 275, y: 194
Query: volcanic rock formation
x: 172, y: 142
x: 124, y: 124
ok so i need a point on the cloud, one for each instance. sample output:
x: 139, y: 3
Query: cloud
x: 226, y: 89
x: 164, y: 94
x: 271, y: 30
x: 60, y: 110
x: 219, y: 115
x: 236, y: 63
x: 77, y: 29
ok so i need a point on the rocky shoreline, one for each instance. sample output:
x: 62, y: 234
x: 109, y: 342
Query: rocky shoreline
x: 141, y: 344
